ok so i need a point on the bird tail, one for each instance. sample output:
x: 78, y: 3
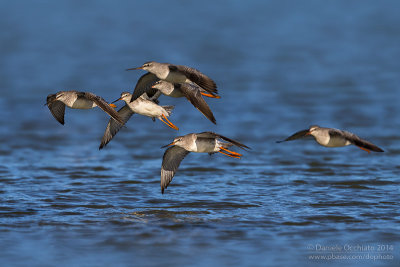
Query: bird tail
x: 168, y: 109
x: 224, y: 144
x: 227, y: 145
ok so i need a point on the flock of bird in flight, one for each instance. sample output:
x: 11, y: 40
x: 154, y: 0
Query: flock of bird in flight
x: 180, y: 81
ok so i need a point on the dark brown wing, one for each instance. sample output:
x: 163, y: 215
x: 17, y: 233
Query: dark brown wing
x: 173, y: 156
x: 101, y: 103
x: 215, y: 135
x: 333, y: 132
x: 299, y: 134
x: 192, y: 93
x: 113, y: 127
x: 57, y: 108
x: 143, y: 85
x: 355, y: 140
x: 197, y: 77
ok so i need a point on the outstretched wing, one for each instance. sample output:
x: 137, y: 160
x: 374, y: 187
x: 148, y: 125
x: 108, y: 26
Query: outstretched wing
x: 113, y: 127
x: 57, y: 108
x: 197, y: 77
x: 299, y: 134
x: 355, y: 140
x: 101, y: 103
x: 171, y: 160
x: 192, y: 93
x: 144, y: 85
x: 215, y: 135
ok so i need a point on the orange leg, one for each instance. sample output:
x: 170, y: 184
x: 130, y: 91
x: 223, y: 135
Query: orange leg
x: 232, y: 152
x: 229, y: 155
x: 365, y: 149
x: 112, y: 105
x: 210, y: 95
x: 167, y: 122
x: 169, y: 125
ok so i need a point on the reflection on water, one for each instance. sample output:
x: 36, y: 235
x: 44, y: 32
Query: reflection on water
x: 278, y: 68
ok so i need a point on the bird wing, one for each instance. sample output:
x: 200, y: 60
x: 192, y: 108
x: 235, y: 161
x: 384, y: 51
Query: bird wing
x: 101, y: 103
x: 299, y: 134
x: 339, y: 133
x: 57, y: 108
x: 144, y: 85
x: 215, y: 135
x: 155, y: 97
x: 192, y: 93
x: 197, y: 77
x: 113, y: 127
x: 171, y: 160
x: 355, y: 140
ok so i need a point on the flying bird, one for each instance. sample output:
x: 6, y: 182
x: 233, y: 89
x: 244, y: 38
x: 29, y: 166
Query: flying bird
x: 78, y: 100
x: 189, y: 90
x: 205, y: 142
x: 142, y: 106
x: 331, y: 137
x: 181, y: 74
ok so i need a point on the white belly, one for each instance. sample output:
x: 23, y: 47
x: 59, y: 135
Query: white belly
x: 204, y: 145
x: 82, y: 103
x: 175, y: 77
x: 337, y: 142
x: 175, y: 93
x: 147, y: 108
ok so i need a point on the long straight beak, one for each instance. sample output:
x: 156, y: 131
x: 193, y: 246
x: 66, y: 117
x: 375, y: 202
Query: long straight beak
x: 116, y: 100
x: 138, y: 68
x: 173, y: 143
x: 308, y: 133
